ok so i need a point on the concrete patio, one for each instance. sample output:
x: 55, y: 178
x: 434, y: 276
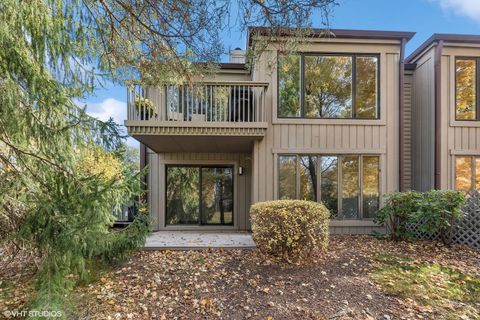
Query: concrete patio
x: 181, y: 240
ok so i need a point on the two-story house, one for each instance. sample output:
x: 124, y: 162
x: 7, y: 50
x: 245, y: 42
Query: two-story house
x: 322, y: 124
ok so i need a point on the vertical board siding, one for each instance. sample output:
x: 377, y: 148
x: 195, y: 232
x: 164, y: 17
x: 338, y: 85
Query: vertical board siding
x: 407, y: 132
x: 423, y: 130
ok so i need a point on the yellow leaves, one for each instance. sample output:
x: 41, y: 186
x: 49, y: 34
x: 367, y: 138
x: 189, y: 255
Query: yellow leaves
x: 98, y: 162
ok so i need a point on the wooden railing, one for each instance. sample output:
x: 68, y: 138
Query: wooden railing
x: 234, y: 102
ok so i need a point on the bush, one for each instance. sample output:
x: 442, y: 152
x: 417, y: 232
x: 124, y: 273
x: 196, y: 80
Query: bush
x: 434, y: 212
x: 440, y: 212
x: 290, y: 229
x: 399, y: 210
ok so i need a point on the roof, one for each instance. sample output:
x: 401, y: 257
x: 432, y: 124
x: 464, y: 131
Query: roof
x: 334, y: 33
x: 436, y: 37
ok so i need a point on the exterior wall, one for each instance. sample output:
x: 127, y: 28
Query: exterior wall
x: 458, y: 137
x: 423, y: 124
x: 407, y: 135
x: 332, y: 136
x: 156, y: 185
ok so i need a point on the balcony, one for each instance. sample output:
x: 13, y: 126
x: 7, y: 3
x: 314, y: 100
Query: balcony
x: 206, y: 117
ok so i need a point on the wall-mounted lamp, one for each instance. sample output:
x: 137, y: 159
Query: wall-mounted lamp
x: 240, y: 171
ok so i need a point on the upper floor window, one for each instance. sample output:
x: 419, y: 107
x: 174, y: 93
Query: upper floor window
x: 466, y: 93
x: 328, y: 86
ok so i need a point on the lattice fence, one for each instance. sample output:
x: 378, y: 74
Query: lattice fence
x: 468, y: 229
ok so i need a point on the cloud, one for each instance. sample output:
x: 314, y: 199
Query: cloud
x: 468, y: 8
x: 108, y: 108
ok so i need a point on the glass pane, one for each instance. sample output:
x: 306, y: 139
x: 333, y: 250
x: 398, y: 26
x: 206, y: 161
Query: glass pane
x: 287, y: 177
x: 329, y: 184
x: 463, y: 173
x: 308, y: 178
x: 328, y: 87
x: 465, y: 89
x: 366, y: 87
x: 217, y: 195
x: 350, y: 192
x: 477, y: 173
x: 371, y: 186
x: 183, y: 196
x: 289, y: 85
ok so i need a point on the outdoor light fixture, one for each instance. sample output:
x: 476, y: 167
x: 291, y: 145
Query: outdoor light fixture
x: 240, y: 171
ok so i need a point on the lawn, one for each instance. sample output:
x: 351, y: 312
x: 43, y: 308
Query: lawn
x: 359, y: 278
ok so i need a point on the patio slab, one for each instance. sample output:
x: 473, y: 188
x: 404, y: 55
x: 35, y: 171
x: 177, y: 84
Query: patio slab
x: 181, y: 240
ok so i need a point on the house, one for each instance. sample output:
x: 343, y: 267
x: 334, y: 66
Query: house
x: 445, y: 118
x: 339, y: 121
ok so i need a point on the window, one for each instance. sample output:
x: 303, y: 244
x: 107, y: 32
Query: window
x: 199, y: 195
x: 467, y: 173
x: 349, y: 185
x: 466, y: 89
x: 328, y: 86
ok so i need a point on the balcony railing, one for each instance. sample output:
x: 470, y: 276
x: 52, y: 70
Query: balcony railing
x: 208, y: 102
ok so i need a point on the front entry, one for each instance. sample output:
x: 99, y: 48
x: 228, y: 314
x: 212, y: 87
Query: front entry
x: 199, y: 195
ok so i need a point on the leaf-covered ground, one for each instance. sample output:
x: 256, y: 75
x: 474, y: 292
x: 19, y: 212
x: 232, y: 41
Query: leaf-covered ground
x: 359, y: 278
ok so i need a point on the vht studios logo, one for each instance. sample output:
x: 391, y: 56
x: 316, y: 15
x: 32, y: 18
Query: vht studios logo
x: 32, y: 313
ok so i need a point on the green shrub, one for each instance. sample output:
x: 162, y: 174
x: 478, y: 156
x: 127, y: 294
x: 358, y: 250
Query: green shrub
x: 434, y: 212
x: 290, y: 229
x: 440, y: 212
x: 398, y: 211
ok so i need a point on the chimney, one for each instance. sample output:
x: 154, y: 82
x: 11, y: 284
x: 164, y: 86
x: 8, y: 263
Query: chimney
x: 237, y: 56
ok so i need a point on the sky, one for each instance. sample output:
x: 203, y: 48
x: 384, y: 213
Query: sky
x: 424, y: 17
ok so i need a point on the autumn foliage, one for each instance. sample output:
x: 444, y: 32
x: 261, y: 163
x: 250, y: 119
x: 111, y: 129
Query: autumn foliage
x: 290, y: 229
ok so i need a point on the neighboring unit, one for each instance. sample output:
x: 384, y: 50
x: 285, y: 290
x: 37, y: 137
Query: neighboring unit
x: 343, y: 120
x: 446, y: 113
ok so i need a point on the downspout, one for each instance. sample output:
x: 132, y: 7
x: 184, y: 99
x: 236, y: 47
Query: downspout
x: 438, y: 114
x: 401, y: 103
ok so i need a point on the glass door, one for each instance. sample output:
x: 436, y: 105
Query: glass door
x: 199, y: 195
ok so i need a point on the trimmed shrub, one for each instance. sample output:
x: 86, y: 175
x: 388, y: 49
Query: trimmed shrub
x: 398, y: 211
x: 290, y: 229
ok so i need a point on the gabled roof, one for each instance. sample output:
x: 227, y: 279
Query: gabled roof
x: 333, y: 33
x: 436, y: 37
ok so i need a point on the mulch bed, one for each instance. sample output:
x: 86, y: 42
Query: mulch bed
x: 242, y: 284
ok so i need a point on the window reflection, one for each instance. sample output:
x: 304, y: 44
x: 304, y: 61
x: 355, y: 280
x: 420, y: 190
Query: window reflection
x: 217, y: 195
x: 366, y: 85
x: 183, y: 196
x: 328, y: 87
x: 289, y: 85
x: 329, y: 185
x: 463, y: 173
x: 465, y: 84
x: 308, y: 178
x: 350, y: 192
x: 287, y: 177
x: 371, y: 186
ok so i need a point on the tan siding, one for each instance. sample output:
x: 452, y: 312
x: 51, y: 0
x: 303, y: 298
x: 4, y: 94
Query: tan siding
x: 423, y: 124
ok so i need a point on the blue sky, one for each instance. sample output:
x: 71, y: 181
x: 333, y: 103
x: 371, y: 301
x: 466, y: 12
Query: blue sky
x: 424, y: 17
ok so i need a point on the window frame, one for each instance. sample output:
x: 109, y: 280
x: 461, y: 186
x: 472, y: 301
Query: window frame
x: 477, y: 89
x: 473, y: 178
x: 200, y: 167
x: 353, y: 56
x: 339, y: 180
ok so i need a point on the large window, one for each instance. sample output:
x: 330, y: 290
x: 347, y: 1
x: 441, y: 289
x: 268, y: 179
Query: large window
x: 199, y: 195
x: 328, y: 86
x: 467, y: 173
x: 348, y: 185
x: 467, y: 104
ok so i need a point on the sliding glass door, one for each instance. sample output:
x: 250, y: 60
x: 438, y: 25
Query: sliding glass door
x: 199, y: 195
